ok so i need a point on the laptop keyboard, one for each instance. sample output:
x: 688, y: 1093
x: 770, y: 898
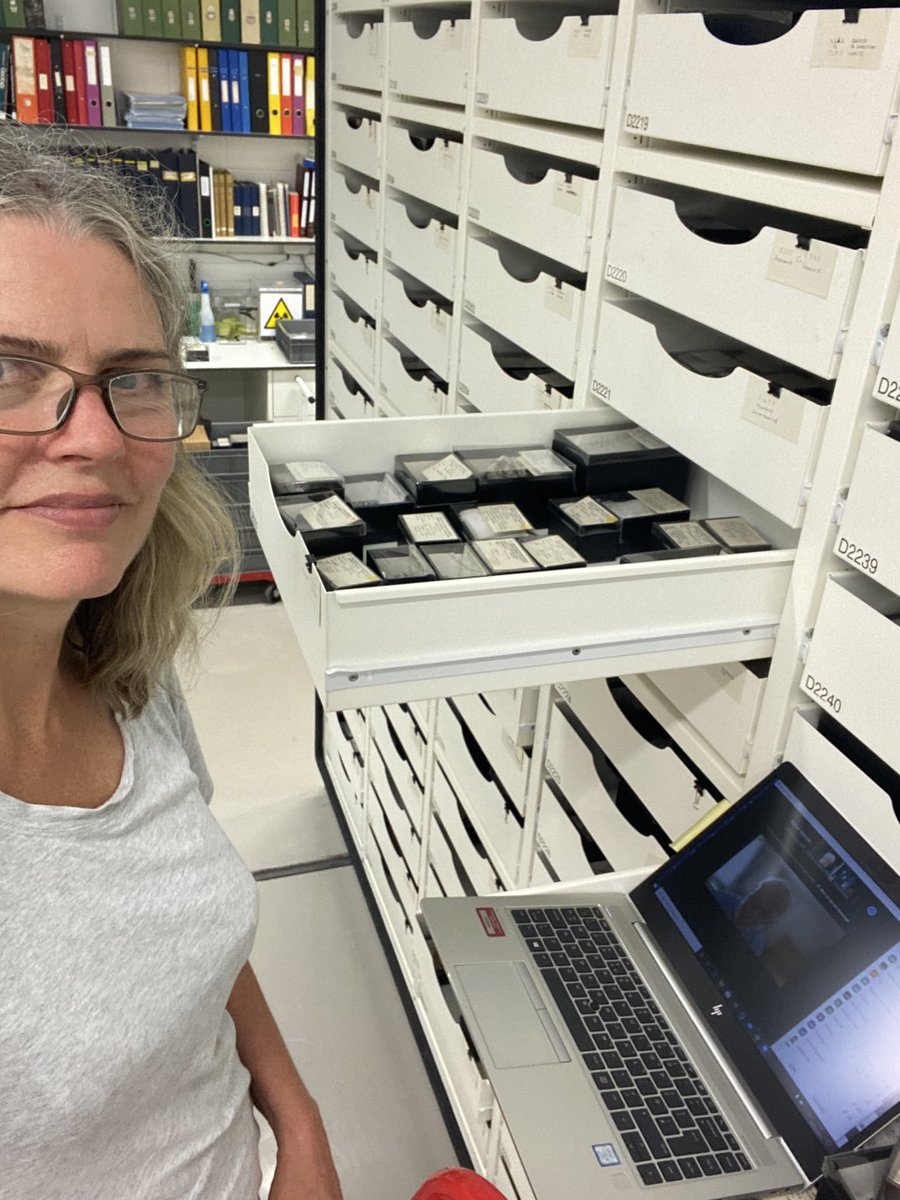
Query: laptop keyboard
x: 668, y: 1122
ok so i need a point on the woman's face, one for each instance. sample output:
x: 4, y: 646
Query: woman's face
x: 75, y: 504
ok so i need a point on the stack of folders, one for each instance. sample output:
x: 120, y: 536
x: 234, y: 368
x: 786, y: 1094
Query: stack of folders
x: 146, y: 110
x: 248, y: 91
x: 251, y: 22
x: 57, y: 80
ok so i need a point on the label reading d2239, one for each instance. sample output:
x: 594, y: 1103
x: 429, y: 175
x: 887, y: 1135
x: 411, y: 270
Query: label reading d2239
x: 820, y: 691
x: 857, y: 555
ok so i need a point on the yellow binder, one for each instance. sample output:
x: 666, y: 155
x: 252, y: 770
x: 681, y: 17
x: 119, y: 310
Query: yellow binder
x: 203, y: 89
x: 188, y: 56
x: 310, y: 96
x: 273, y: 63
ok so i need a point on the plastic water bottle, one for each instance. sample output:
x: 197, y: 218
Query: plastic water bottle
x: 207, y: 320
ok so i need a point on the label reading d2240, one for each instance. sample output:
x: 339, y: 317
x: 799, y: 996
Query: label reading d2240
x: 821, y: 693
x: 858, y: 556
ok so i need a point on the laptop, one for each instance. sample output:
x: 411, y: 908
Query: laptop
x: 715, y: 1030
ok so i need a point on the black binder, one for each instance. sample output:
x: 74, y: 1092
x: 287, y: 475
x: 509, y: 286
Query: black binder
x: 205, y: 186
x: 215, y: 90
x: 259, y: 91
x: 190, y: 192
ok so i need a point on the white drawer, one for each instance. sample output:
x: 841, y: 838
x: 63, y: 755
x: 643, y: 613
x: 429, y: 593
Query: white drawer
x: 399, y: 924
x: 721, y: 702
x: 506, y: 289
x: 446, y: 865
x: 345, y: 762
x: 485, y: 384
x: 417, y: 240
x: 511, y: 1174
x: 357, y: 52
x: 552, y: 213
x: 516, y: 709
x: 418, y: 322
x: 355, y: 206
x: 397, y: 815
x: 353, y: 333
x: 411, y: 396
x: 289, y: 399
x: 562, y: 851
x: 516, y: 53
x: 887, y: 381
x: 425, y: 163
x: 354, y: 272
x: 857, y: 797
x: 793, y: 303
x: 726, y: 425
x: 461, y: 836
x: 510, y: 762
x: 867, y: 538
x: 401, y: 882
x: 398, y: 767
x: 662, y: 781
x: 480, y: 792
x: 355, y: 139
x: 412, y: 738
x: 854, y: 662
x: 571, y: 763
x: 775, y: 100
x: 356, y: 723
x: 430, y: 58
x: 346, y: 394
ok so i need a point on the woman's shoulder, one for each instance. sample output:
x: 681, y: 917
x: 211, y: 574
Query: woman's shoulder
x: 167, y: 720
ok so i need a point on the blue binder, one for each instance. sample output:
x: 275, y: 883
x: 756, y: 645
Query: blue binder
x: 225, y: 83
x: 244, y: 86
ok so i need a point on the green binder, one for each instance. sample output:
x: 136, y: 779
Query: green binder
x: 171, y: 18
x: 153, y: 25
x: 287, y: 22
x: 14, y: 14
x: 231, y: 21
x: 190, y: 20
x: 268, y: 22
x: 130, y: 17
x: 306, y: 24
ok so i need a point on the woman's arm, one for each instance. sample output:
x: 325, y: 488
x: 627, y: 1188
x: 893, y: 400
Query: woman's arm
x: 305, y: 1169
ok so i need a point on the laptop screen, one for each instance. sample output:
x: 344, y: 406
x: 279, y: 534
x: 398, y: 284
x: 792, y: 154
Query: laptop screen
x: 784, y: 927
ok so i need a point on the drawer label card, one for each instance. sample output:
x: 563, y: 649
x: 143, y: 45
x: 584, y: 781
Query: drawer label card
x: 345, y: 570
x: 559, y: 299
x: 888, y: 389
x: 782, y: 415
x: 568, y: 194
x: 586, y: 39
x: 547, y: 397
x: 860, y: 45
x: 821, y: 692
x: 808, y: 268
x: 439, y: 319
x: 858, y: 555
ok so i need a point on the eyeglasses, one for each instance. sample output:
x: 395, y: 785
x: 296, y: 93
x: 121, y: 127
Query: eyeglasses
x: 150, y: 406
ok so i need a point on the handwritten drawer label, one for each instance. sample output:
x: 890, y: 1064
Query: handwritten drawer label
x: 808, y: 270
x: 859, y: 45
x: 568, y: 194
x: 560, y: 299
x: 586, y: 41
x: 781, y: 415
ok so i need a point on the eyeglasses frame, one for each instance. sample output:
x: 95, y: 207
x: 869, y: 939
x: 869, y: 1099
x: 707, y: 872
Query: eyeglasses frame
x: 103, y: 382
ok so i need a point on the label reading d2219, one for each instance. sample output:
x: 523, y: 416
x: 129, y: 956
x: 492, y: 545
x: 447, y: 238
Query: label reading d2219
x: 821, y: 693
x: 858, y: 556
x: 637, y: 122
x: 889, y: 389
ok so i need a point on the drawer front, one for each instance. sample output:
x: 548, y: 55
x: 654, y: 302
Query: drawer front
x: 775, y: 100
x: 356, y: 140
x: 551, y: 216
x: 354, y: 336
x: 397, y: 765
x: 446, y: 863
x: 791, y: 302
x: 423, y: 328
x: 382, y: 791
x: 867, y: 538
x: 429, y: 167
x: 543, y: 314
x: 354, y: 273
x: 406, y: 727
x: 346, y: 394
x: 381, y: 841
x: 485, y: 384
x: 468, y: 847
x: 355, y: 206
x: 289, y: 400
x: 511, y: 57
x: 507, y: 759
x: 431, y: 64
x: 410, y: 397
x: 345, y: 764
x: 357, y: 53
x: 564, y: 848
x: 426, y: 250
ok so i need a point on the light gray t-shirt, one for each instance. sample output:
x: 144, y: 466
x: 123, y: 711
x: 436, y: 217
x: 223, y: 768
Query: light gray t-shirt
x: 122, y: 931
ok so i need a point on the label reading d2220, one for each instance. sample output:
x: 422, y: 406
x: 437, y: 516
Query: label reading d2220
x: 820, y: 692
x: 858, y: 556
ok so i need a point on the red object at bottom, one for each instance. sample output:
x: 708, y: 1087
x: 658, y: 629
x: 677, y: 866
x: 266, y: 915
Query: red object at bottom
x: 456, y: 1183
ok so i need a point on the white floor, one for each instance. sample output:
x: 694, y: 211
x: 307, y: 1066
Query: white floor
x: 317, y: 953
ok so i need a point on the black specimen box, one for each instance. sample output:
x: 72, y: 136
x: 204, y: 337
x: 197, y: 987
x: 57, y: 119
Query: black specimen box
x: 490, y: 520
x: 503, y: 556
x: 736, y: 535
x: 298, y: 478
x: 379, y: 500
x: 641, y: 556
x: 400, y: 563
x: 454, y: 560
x: 325, y: 522
x: 519, y: 473
x: 637, y: 510
x: 552, y: 552
x: 435, y: 478
x: 425, y: 527
x: 344, y: 571
x: 587, y: 526
x: 685, y: 535
x: 618, y: 460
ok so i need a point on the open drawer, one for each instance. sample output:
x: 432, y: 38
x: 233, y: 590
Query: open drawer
x: 383, y: 643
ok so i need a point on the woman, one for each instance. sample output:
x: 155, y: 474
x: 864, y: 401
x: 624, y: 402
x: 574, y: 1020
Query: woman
x: 133, y: 1033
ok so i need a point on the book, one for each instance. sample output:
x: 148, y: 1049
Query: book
x: 298, y: 112
x: 215, y: 88
x: 264, y: 210
x: 287, y: 23
x: 210, y: 21
x: 13, y: 14
x: 268, y: 22
x: 287, y: 94
x: 229, y: 204
x: 25, y: 79
x: 306, y: 174
x: 231, y: 21
x: 42, y: 69
x: 220, y: 227
x: 170, y: 16
x: 238, y: 208
x: 92, y: 83
x: 250, y: 31
x: 4, y: 80
x: 107, y: 90
x: 187, y: 56
x: 189, y: 192
x: 273, y: 60
x: 310, y: 96
x: 80, y: 81
x: 306, y: 24
x: 57, y: 83
x: 203, y: 97
x: 256, y: 209
x: 259, y: 91
x: 191, y: 24
x: 294, y: 210
x: 152, y: 18
x: 130, y: 17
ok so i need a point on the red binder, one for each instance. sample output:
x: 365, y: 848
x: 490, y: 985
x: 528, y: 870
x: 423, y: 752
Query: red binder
x: 68, y: 57
x: 44, y: 72
x: 287, y: 95
x: 92, y: 83
x: 80, y: 82
x: 294, y: 209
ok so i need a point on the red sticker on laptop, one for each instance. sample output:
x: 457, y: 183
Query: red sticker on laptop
x: 490, y: 922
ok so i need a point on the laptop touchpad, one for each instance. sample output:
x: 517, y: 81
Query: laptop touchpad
x: 510, y: 1015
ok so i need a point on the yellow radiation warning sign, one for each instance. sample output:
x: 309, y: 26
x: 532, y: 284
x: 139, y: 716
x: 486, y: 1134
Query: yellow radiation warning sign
x: 283, y: 304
